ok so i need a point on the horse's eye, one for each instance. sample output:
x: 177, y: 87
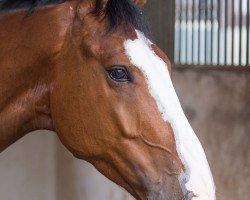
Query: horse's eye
x: 119, y: 74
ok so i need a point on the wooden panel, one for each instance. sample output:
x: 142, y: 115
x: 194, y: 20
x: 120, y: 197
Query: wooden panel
x: 162, y: 18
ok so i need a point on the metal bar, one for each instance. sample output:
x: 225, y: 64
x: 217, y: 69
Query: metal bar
x: 186, y: 53
x: 176, y: 32
x: 214, y: 10
x: 233, y: 29
x: 199, y: 32
x: 180, y: 30
x: 213, y: 67
x: 206, y: 35
x: 219, y: 26
x: 212, y: 30
x: 193, y: 10
x: 240, y: 50
x: 248, y: 21
x: 226, y: 35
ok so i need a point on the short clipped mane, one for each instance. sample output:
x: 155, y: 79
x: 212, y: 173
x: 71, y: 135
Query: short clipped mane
x: 123, y: 13
x: 120, y: 13
x: 29, y: 4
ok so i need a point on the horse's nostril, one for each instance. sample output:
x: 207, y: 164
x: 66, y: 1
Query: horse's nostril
x: 189, y: 195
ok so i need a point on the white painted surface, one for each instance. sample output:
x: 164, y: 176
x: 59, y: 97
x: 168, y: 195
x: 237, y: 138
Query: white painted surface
x: 38, y: 167
x: 79, y: 180
x: 161, y: 88
x: 27, y: 169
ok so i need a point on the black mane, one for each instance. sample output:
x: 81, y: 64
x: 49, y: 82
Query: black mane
x: 124, y: 13
x: 119, y: 12
x: 6, y: 5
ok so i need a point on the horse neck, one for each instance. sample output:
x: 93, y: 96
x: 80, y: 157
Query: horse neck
x: 28, y: 49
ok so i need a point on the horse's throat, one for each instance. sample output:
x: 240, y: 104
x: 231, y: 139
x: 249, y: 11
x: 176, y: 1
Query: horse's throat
x: 25, y: 112
x: 27, y: 50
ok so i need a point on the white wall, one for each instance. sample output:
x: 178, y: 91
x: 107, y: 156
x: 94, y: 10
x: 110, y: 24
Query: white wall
x: 38, y: 167
x: 27, y: 169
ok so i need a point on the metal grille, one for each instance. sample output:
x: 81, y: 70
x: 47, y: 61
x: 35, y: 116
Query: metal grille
x: 212, y: 32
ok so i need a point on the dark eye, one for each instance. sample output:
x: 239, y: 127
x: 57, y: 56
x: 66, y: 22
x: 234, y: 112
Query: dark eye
x: 120, y: 74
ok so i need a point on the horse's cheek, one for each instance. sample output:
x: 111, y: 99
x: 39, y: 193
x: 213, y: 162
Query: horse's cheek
x: 129, y: 125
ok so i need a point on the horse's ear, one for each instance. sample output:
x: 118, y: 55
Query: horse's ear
x: 86, y: 7
x: 140, y: 2
x: 137, y: 2
x: 100, y: 4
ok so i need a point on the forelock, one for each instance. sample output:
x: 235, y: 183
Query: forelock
x: 123, y: 14
x: 119, y: 13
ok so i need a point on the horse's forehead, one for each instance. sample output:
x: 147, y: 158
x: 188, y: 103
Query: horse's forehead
x: 110, y: 46
x: 117, y: 38
x: 146, y: 56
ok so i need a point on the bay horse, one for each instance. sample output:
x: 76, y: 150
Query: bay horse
x: 88, y: 70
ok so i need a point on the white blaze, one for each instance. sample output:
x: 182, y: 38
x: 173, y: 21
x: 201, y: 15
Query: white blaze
x: 160, y: 86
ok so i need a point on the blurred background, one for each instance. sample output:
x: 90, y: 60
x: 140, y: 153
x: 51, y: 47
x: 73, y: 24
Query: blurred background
x: 208, y: 44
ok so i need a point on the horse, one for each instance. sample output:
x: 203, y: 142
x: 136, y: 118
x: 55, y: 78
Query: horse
x: 89, y: 71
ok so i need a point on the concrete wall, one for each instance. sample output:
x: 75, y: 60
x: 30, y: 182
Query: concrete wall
x: 78, y: 180
x: 38, y: 167
x: 217, y: 105
x: 28, y: 169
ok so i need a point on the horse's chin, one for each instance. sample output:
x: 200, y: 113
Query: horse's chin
x: 145, y: 189
x: 162, y: 190
x: 165, y: 195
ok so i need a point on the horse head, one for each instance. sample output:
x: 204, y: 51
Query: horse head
x: 114, y: 105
